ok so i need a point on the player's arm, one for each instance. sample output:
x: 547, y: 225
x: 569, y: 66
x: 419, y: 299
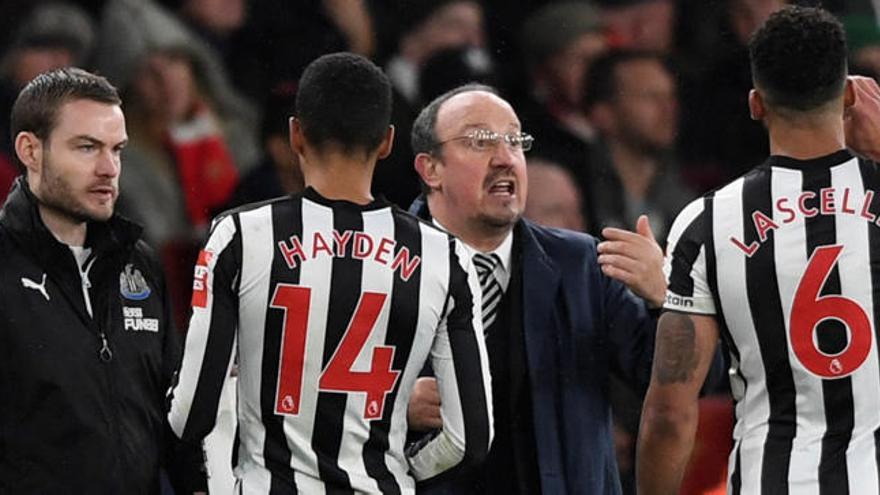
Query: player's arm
x: 210, y: 341
x: 461, y: 368
x: 684, y: 351
x: 183, y: 461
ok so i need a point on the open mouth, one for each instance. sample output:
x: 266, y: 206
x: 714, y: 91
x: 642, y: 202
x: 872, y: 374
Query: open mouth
x: 505, y: 187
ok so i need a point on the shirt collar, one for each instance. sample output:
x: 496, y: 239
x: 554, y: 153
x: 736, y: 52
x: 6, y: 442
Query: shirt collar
x: 503, y: 251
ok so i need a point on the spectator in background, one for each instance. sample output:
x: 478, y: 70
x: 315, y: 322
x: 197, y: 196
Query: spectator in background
x: 132, y: 29
x: 280, y: 37
x: 279, y: 173
x: 52, y: 36
x: 718, y: 139
x: 218, y: 24
x: 429, y: 27
x: 560, y: 42
x: 8, y: 173
x: 631, y: 99
x: 179, y: 171
x: 640, y: 24
x: 215, y: 21
x: 554, y: 199
x: 863, y: 42
x: 451, y: 68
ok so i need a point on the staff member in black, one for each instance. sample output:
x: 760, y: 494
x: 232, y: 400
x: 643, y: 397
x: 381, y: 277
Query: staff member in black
x: 87, y: 344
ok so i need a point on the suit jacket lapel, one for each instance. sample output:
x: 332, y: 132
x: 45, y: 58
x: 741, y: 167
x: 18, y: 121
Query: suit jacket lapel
x: 541, y: 286
x: 541, y: 278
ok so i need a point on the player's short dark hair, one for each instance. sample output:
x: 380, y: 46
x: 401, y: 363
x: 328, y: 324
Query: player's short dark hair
x: 601, y: 84
x: 798, y: 58
x: 343, y: 99
x: 36, y: 108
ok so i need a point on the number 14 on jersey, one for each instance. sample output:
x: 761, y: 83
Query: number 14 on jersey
x: 338, y: 376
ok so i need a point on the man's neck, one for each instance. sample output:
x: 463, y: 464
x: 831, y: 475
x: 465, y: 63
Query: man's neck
x: 339, y: 177
x: 804, y: 140
x: 478, y: 237
x: 65, y: 229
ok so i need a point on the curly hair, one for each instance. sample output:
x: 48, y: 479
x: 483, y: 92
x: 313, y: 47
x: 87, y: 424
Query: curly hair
x: 798, y: 58
x: 345, y: 100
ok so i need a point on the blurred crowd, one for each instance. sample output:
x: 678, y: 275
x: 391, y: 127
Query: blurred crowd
x: 636, y: 106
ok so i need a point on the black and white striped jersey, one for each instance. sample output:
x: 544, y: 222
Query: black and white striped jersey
x: 332, y: 309
x: 788, y: 259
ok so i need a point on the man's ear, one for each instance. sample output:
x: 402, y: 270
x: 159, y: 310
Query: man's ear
x: 297, y: 140
x: 849, y: 93
x: 387, y: 143
x: 29, y: 150
x: 757, y: 110
x: 428, y: 168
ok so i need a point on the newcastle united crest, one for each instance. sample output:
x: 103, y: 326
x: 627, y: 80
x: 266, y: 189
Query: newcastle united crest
x: 132, y: 284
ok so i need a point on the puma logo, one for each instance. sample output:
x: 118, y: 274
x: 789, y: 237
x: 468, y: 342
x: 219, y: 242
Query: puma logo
x: 30, y: 284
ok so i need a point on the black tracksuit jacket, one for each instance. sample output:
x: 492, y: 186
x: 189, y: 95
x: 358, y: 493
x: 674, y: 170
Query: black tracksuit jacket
x: 76, y: 415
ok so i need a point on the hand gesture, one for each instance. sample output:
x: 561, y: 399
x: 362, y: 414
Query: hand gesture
x: 635, y: 259
x: 862, y: 119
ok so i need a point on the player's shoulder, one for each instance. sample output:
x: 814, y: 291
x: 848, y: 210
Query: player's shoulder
x: 257, y: 205
x: 422, y: 227
x: 230, y: 219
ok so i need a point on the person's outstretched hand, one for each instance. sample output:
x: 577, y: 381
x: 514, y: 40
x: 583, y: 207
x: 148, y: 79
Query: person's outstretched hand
x: 635, y: 259
x: 862, y: 119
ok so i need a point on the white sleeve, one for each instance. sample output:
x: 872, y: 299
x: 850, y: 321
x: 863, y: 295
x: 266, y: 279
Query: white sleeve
x: 685, y: 263
x: 461, y: 367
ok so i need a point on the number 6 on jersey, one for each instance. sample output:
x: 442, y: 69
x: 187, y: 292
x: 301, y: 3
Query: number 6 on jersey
x: 338, y: 376
x: 810, y: 309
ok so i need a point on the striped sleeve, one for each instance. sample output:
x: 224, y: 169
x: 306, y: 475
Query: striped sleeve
x: 461, y: 366
x: 685, y: 263
x: 211, y: 338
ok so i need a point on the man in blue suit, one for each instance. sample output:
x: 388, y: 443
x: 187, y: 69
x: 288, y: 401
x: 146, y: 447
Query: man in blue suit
x: 557, y: 313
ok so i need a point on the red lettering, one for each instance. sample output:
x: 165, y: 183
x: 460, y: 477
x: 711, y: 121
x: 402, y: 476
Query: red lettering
x: 763, y: 223
x: 826, y: 203
x: 341, y: 242
x: 749, y: 250
x: 363, y: 245
x: 802, y: 204
x: 408, y: 265
x: 869, y: 197
x: 319, y: 244
x: 844, y: 208
x: 781, y: 205
x: 384, y: 248
x: 291, y: 253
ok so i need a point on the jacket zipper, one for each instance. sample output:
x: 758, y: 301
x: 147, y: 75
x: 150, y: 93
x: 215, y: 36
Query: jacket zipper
x: 105, y: 353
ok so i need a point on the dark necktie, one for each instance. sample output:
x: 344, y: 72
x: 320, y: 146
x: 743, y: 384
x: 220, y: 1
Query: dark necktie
x: 492, y: 292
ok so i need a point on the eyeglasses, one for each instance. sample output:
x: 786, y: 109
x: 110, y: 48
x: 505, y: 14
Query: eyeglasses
x: 486, y: 140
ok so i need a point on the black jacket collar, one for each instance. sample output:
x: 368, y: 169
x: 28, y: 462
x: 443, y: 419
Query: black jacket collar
x: 20, y: 217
